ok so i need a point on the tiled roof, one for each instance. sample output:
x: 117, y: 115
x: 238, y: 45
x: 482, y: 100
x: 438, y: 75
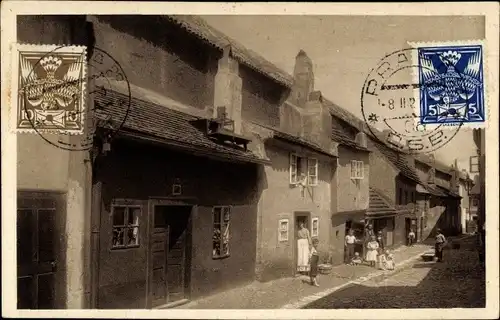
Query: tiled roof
x: 399, y: 160
x: 438, y: 165
x: 169, y: 126
x: 435, y: 190
x: 294, y: 139
x: 379, y: 204
x: 346, y: 116
x: 447, y: 190
x: 199, y: 27
x: 344, y: 139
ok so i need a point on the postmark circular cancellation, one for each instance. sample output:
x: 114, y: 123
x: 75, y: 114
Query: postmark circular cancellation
x: 417, y: 99
x: 53, y: 95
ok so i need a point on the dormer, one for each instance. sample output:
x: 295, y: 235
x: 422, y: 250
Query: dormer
x: 221, y: 128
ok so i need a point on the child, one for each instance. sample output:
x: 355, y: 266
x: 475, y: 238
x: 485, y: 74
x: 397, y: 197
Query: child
x: 372, y: 252
x: 350, y: 242
x: 389, y: 263
x: 356, y: 259
x: 313, y: 261
x: 411, y: 237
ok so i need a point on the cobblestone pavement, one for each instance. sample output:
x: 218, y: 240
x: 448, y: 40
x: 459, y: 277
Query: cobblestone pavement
x: 275, y: 294
x: 458, y: 282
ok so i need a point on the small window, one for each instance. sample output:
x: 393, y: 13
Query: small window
x: 220, y: 239
x: 312, y: 172
x: 406, y: 197
x: 283, y: 230
x: 474, y: 164
x: 315, y: 227
x: 125, y: 226
x: 400, y: 198
x: 295, y: 168
x: 357, y: 169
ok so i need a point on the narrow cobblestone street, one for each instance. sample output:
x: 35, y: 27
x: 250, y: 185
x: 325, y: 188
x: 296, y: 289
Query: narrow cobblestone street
x: 458, y: 282
x: 289, y: 292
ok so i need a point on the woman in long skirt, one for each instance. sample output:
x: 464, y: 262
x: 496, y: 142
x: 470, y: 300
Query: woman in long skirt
x: 303, y: 245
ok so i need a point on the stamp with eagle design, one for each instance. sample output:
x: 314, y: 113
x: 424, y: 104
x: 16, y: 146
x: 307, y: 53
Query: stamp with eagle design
x: 452, y: 79
x: 51, y: 88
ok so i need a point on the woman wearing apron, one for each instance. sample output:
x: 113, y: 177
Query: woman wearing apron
x: 303, y: 245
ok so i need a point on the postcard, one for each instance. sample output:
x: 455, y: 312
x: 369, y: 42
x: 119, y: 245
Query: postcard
x: 250, y: 160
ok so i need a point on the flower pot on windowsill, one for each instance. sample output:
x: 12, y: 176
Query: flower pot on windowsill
x: 325, y: 268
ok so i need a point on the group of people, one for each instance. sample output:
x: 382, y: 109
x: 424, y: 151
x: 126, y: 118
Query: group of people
x: 376, y: 255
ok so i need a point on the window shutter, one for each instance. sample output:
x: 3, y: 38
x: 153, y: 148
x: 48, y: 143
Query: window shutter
x: 316, y: 168
x: 293, y: 168
x: 353, y: 169
x: 312, y: 171
x: 361, y: 168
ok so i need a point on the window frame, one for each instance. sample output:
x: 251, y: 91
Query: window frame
x: 294, y: 168
x: 358, y: 167
x: 126, y: 225
x: 313, y: 234
x: 316, y: 169
x: 280, y: 230
x: 474, y: 165
x: 221, y: 222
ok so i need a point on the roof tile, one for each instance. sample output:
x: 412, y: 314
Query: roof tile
x: 379, y: 203
x: 171, y: 126
x: 344, y: 139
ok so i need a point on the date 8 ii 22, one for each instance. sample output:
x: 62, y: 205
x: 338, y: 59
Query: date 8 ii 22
x: 402, y: 103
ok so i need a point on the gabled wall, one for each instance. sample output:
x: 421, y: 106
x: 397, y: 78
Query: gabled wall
x: 348, y: 195
x: 383, y: 175
x: 352, y: 194
x: 156, y: 54
x: 42, y: 166
x: 281, y: 200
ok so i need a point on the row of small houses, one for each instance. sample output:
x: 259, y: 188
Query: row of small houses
x: 188, y: 200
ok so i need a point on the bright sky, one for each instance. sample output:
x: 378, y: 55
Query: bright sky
x: 345, y: 48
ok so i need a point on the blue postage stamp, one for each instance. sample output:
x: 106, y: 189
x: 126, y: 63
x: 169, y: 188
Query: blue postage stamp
x: 451, y: 82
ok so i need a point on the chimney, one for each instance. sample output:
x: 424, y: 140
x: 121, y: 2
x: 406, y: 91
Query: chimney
x: 361, y: 139
x: 455, y: 177
x: 317, y: 121
x: 303, y: 80
x: 228, y: 89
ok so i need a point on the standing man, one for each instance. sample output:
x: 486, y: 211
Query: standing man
x: 439, y: 246
x: 411, y: 238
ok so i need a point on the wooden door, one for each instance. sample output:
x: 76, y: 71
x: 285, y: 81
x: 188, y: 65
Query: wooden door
x: 169, y: 246
x: 176, y: 264
x: 159, y: 258
x: 177, y: 219
x: 38, y: 243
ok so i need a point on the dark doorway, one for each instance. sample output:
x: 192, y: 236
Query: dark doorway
x: 300, y: 217
x: 359, y: 229
x: 170, y: 254
x: 410, y: 224
x: 38, y: 250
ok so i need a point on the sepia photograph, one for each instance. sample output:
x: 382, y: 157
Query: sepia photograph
x: 231, y: 159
